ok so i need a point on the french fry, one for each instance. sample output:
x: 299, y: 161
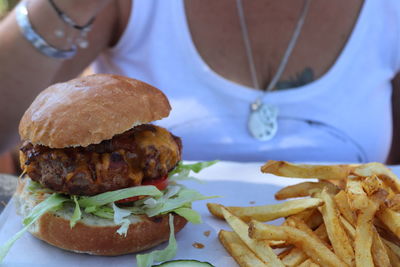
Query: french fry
x: 276, y: 243
x: 356, y: 221
x: 384, y: 232
x: 350, y: 230
x: 371, y: 184
x: 312, y: 223
x: 305, y: 189
x: 215, y: 209
x: 364, y: 228
x: 323, y: 172
x: 356, y: 193
x: 308, y: 263
x: 261, y: 249
x: 395, y: 248
x: 296, y: 256
x: 284, y: 252
x: 354, y: 187
x: 342, y: 202
x: 390, y: 219
x: 299, y: 224
x: 315, y: 220
x: 267, y: 212
x: 321, y: 233
x: 381, y: 171
x: 313, y: 247
x: 363, y: 240
x: 312, y: 217
x: 394, y: 259
x: 394, y: 203
x: 238, y: 250
x: 305, y: 214
x: 379, y: 251
x: 340, y: 241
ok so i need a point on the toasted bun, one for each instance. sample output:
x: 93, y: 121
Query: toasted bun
x: 91, y: 109
x: 94, y: 235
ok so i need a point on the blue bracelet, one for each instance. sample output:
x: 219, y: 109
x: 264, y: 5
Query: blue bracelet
x: 35, y: 39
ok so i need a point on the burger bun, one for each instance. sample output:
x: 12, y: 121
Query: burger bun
x: 90, y: 109
x: 92, y: 234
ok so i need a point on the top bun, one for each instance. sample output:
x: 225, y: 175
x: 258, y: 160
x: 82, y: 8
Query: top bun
x: 90, y: 109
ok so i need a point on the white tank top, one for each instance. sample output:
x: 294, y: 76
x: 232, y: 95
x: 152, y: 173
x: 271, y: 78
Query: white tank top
x: 345, y: 115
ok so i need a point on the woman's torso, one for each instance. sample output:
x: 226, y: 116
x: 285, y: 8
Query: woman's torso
x: 344, y: 115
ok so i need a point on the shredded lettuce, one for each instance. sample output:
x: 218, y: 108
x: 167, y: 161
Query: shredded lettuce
x: 135, y: 210
x: 37, y: 187
x: 189, y: 214
x: 104, y: 212
x: 183, y: 197
x: 154, y: 203
x: 76, y: 216
x: 90, y: 209
x: 169, y: 252
x: 51, y: 203
x: 195, y: 167
x: 112, y: 196
x: 171, y: 191
x: 120, y: 218
x: 175, y: 198
x: 34, y: 186
x: 182, y: 171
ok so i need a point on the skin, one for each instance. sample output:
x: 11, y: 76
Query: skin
x: 215, y: 31
x: 222, y: 47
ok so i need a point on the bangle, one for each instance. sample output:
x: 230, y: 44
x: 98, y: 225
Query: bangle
x: 35, y: 39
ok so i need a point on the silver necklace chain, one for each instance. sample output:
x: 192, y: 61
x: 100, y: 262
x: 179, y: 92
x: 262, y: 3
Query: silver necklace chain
x: 263, y: 119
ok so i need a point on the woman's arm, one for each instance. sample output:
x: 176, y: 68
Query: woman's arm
x: 24, y: 71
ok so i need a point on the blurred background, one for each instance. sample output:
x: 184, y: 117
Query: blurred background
x: 8, y: 159
x: 6, y: 6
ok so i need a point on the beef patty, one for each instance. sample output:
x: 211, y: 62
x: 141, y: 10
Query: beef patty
x: 144, y: 152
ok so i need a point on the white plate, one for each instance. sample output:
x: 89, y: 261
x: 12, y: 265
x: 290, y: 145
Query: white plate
x: 236, y: 183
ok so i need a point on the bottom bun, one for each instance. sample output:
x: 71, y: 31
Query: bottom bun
x: 92, y: 234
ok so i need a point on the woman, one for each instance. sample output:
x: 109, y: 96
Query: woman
x: 332, y: 102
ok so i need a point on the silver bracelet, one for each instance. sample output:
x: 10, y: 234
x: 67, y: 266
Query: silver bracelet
x: 35, y: 39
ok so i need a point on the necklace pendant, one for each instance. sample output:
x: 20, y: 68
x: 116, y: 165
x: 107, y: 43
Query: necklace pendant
x: 263, y: 121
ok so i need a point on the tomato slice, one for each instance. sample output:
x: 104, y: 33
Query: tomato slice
x: 160, y: 183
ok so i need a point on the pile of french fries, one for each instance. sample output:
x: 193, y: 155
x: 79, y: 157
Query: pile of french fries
x: 350, y: 216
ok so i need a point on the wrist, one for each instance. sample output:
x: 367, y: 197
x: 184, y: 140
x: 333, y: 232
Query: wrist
x: 52, y: 31
x: 46, y: 22
x: 36, y: 40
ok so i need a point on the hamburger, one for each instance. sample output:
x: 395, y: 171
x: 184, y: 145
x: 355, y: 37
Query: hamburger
x: 100, y: 178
